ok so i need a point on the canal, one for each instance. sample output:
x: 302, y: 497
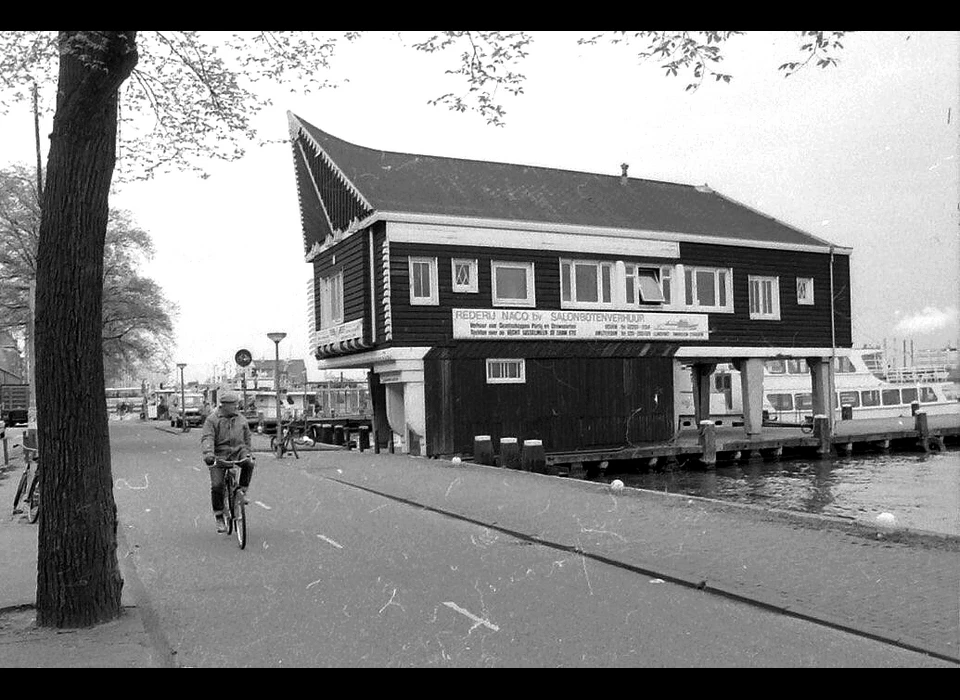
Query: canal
x: 922, y: 491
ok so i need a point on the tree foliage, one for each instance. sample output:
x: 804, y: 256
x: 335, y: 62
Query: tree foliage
x: 137, y: 316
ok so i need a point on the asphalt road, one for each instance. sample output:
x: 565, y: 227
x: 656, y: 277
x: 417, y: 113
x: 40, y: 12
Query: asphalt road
x: 337, y: 576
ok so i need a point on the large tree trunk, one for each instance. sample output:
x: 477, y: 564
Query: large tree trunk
x: 78, y: 577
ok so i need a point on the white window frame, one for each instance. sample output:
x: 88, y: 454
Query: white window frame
x: 632, y: 271
x: 471, y: 287
x: 756, y: 284
x: 331, y: 300
x: 502, y: 361
x: 528, y: 267
x: 573, y: 303
x: 434, y: 298
x: 805, y: 291
x: 724, y: 305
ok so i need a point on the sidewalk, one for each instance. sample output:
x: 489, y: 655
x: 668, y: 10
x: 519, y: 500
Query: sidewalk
x: 900, y: 587
x: 122, y: 643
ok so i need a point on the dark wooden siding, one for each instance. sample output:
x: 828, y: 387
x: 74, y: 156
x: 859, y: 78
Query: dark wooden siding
x: 799, y: 326
x: 803, y: 326
x: 569, y: 402
x: 352, y: 255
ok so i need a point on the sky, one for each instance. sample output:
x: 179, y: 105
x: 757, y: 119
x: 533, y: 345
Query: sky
x: 864, y: 155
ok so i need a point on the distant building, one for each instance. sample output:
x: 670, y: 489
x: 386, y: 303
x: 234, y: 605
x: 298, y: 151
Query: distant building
x: 293, y: 373
x: 11, y: 364
x: 528, y: 302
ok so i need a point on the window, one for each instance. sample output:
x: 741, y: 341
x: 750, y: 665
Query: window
x: 503, y: 371
x: 643, y: 285
x: 512, y: 284
x: 805, y: 291
x: 796, y: 366
x: 890, y: 397
x: 804, y: 402
x: 464, y: 275
x: 781, y: 402
x: 870, y: 397
x: 423, y: 282
x: 764, y: 298
x: 586, y: 283
x: 776, y: 366
x: 331, y: 300
x: 927, y: 395
x: 844, y: 365
x: 709, y: 289
x: 909, y: 395
x: 850, y: 398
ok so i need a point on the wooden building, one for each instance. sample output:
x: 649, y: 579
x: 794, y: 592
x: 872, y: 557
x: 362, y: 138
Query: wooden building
x: 509, y: 300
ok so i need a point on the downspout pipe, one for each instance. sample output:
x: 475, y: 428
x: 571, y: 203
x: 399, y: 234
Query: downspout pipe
x: 833, y: 349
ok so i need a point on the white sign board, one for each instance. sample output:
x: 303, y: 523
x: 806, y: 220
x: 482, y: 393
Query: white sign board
x: 516, y: 324
x: 335, y: 334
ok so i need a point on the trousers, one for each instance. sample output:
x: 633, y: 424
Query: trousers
x: 217, y: 479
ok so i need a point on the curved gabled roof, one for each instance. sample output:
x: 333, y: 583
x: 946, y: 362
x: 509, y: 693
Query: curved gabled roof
x: 434, y: 185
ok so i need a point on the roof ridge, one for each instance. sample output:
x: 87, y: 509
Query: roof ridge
x: 491, y: 162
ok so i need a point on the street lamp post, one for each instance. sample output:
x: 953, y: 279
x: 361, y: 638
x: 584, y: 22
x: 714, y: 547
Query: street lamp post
x: 183, y: 412
x: 276, y: 338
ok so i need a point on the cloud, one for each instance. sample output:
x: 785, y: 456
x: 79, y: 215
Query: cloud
x: 929, y: 320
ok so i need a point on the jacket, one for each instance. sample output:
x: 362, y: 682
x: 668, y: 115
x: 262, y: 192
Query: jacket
x: 227, y: 437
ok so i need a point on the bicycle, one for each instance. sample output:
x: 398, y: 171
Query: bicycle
x: 29, y: 487
x: 234, y: 508
x: 285, y: 443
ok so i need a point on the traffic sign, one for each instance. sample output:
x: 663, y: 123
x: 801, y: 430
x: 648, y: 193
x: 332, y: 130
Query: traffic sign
x: 243, y: 357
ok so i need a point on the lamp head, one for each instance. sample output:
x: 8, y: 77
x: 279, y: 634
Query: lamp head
x: 276, y: 337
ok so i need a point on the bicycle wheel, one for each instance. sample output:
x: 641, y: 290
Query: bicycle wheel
x: 33, y: 499
x: 21, y: 488
x: 240, y: 519
x: 293, y: 446
x: 276, y: 445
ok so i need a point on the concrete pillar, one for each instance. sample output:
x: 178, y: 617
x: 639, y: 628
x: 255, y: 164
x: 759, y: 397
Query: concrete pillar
x: 820, y: 369
x: 700, y: 379
x: 751, y: 387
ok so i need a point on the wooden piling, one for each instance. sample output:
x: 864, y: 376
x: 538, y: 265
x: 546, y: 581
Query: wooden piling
x: 923, y: 430
x: 708, y: 442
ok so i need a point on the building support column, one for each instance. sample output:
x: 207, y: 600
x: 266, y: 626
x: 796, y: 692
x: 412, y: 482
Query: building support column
x: 700, y: 378
x: 751, y: 388
x: 820, y: 368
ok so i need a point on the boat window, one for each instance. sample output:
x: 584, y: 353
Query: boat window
x: 870, y: 397
x: 804, y: 402
x: 849, y: 398
x: 796, y: 366
x: 775, y: 366
x: 927, y: 394
x: 844, y: 365
x: 781, y: 402
x: 891, y: 397
x: 909, y: 395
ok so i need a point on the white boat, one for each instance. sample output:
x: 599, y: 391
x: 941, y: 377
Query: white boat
x: 788, y: 397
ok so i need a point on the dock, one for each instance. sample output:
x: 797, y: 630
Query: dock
x: 711, y: 444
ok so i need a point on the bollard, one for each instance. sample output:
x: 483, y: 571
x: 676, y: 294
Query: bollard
x: 923, y: 431
x: 338, y: 435
x: 326, y: 433
x: 846, y: 412
x: 376, y: 442
x: 532, y: 457
x: 364, y: 439
x: 482, y: 449
x: 509, y: 453
x: 347, y: 437
x: 708, y: 442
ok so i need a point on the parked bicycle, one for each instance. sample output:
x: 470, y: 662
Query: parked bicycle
x: 234, y: 506
x: 28, y: 490
x: 285, y: 440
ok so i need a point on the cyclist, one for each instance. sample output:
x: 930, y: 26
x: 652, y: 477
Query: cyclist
x: 226, y: 435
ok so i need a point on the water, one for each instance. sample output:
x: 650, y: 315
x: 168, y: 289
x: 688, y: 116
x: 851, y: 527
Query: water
x: 922, y: 491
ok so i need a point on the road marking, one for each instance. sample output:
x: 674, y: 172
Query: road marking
x: 328, y: 540
x: 263, y: 505
x: 477, y: 620
x: 146, y: 483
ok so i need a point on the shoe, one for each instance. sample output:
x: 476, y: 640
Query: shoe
x: 242, y: 493
x: 221, y: 523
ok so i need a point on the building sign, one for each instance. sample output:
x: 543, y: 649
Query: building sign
x: 390, y: 377
x: 352, y: 330
x: 516, y: 324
